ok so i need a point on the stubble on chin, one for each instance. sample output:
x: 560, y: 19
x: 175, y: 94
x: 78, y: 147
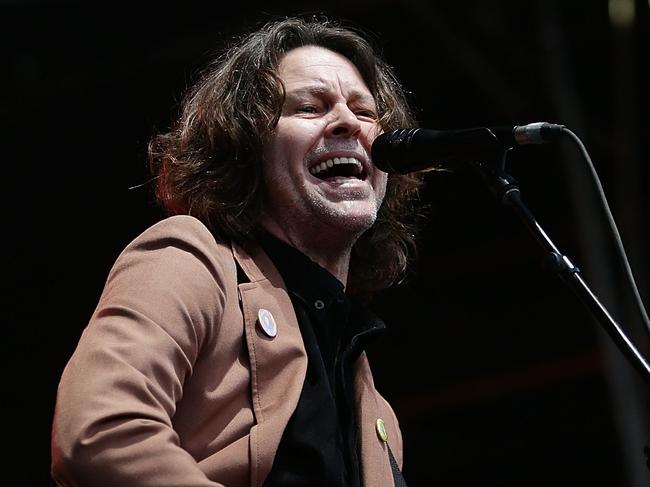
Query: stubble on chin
x: 343, y: 222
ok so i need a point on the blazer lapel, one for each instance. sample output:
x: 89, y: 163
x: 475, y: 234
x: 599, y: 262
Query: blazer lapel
x: 278, y: 363
x: 375, y: 462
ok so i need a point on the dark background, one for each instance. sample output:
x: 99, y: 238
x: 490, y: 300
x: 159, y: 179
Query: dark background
x: 498, y: 375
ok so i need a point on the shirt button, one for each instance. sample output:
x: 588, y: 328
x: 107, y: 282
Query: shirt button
x: 319, y: 304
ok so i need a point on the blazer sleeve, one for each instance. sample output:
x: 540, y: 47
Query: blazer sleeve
x: 112, y: 424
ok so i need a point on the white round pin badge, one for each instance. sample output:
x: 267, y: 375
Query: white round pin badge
x: 267, y: 323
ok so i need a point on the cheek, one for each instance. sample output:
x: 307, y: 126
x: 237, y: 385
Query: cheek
x: 381, y: 180
x: 373, y: 131
x: 292, y: 135
x: 287, y: 148
x: 276, y: 153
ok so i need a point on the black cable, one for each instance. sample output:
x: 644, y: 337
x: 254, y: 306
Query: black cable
x: 620, y: 250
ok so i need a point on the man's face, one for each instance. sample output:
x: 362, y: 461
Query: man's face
x: 317, y: 171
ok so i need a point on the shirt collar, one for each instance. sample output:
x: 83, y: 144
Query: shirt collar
x: 302, y: 275
x: 315, y: 285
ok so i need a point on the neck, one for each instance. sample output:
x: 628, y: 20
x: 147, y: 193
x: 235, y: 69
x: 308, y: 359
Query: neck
x: 331, y: 254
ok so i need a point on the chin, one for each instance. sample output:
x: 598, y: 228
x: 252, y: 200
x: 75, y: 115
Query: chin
x: 353, y: 224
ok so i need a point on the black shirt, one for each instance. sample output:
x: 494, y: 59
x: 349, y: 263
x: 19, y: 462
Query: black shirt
x: 319, y: 445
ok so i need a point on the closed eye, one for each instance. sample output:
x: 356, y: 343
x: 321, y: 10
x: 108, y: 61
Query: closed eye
x: 307, y: 109
x: 366, y: 113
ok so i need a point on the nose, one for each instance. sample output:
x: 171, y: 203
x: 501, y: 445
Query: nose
x: 344, y: 122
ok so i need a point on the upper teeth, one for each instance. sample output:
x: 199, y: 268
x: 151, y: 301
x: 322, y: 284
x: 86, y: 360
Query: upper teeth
x: 337, y: 160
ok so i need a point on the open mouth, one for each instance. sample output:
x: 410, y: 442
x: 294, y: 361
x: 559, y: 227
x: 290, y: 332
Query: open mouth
x: 338, y: 167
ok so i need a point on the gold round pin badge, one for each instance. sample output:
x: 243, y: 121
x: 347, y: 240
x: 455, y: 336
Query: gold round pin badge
x: 380, y: 426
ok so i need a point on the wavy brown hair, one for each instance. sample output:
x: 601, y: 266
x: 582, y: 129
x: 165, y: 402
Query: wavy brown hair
x: 210, y: 164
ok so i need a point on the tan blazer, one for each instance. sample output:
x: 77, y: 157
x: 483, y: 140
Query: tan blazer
x: 174, y: 383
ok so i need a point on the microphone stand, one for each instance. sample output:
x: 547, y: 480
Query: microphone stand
x: 506, y: 189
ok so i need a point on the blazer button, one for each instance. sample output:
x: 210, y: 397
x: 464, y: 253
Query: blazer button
x: 380, y: 426
x: 267, y: 323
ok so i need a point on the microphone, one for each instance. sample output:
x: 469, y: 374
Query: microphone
x: 408, y: 150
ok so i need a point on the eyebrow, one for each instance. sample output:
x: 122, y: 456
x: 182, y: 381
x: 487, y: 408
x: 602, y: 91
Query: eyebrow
x: 355, y: 95
x: 309, y: 90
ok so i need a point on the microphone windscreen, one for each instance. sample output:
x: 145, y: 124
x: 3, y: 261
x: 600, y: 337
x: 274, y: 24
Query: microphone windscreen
x: 402, y: 151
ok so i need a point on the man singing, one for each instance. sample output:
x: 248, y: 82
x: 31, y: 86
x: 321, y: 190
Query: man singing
x: 227, y: 348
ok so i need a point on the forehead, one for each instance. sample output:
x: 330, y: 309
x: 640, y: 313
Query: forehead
x: 313, y: 66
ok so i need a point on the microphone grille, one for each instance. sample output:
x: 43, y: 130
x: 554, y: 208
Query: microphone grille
x: 390, y: 150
